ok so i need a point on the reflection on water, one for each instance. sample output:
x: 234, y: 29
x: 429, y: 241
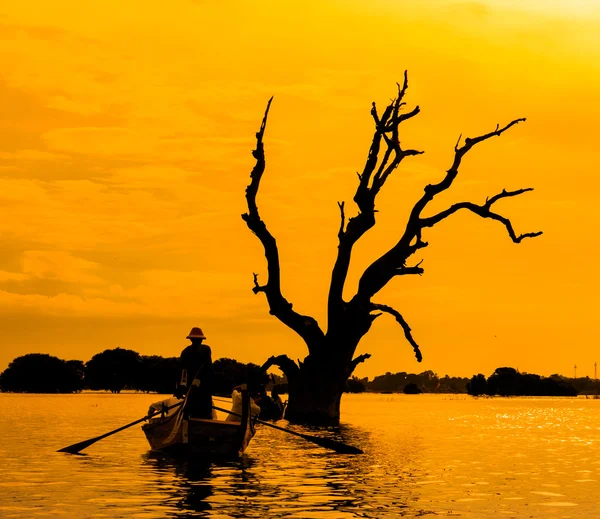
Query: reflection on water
x: 425, y: 455
x: 189, y: 482
x: 283, y: 480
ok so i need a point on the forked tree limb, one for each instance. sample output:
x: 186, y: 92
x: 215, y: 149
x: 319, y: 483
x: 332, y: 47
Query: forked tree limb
x: 371, y: 180
x: 258, y: 288
x: 349, y: 321
x: 289, y: 368
x: 485, y: 212
x: 305, y: 326
x: 403, y: 323
x: 382, y: 270
x: 432, y: 190
x: 415, y: 269
x: 342, y: 219
x: 356, y: 361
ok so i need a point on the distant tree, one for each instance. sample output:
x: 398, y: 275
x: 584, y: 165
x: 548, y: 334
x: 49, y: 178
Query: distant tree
x: 316, y: 383
x: 355, y: 385
x: 412, y: 389
x: 428, y: 382
x: 451, y: 385
x: 530, y: 384
x: 78, y: 368
x: 583, y: 385
x: 41, y: 373
x: 114, y: 370
x: 509, y: 382
x: 429, y: 375
x: 558, y: 386
x: 159, y: 374
x: 477, y: 385
x: 503, y: 382
x: 389, y: 382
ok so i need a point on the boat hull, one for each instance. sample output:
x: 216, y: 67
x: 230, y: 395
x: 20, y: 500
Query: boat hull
x: 176, y: 434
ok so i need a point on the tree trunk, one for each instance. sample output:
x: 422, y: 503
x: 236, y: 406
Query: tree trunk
x: 316, y: 393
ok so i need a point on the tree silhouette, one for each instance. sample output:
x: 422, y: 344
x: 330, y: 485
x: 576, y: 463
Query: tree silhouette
x: 159, y: 374
x: 42, y: 373
x: 316, y: 383
x: 114, y: 370
x: 477, y: 385
x: 412, y: 389
x: 510, y: 382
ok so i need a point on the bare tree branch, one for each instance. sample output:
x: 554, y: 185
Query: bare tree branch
x: 356, y: 361
x: 382, y: 270
x: 371, y: 180
x: 403, y: 323
x: 416, y: 269
x: 485, y: 212
x: 303, y: 325
x: 433, y: 189
x: 259, y: 167
x: 343, y: 220
x: 258, y: 288
x: 505, y: 194
x: 289, y: 368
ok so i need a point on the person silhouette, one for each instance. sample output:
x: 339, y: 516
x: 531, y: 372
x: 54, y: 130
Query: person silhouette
x: 197, y: 376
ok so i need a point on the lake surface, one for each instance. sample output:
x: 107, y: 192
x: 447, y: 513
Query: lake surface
x: 425, y: 456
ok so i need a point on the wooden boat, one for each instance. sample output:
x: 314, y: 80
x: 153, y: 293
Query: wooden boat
x: 174, y: 434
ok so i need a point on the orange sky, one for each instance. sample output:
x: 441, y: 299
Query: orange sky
x: 125, y: 141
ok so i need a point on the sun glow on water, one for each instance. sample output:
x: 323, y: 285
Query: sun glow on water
x: 424, y: 455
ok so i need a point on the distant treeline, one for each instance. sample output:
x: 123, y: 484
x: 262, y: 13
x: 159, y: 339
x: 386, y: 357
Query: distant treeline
x: 121, y: 369
x: 503, y: 382
x: 426, y: 382
x: 510, y: 382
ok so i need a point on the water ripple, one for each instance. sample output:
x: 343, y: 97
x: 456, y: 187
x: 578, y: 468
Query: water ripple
x: 425, y: 456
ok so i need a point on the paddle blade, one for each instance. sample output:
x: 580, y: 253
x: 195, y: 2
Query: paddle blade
x: 333, y: 445
x: 342, y: 448
x: 78, y: 447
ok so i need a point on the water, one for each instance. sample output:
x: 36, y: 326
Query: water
x: 425, y: 456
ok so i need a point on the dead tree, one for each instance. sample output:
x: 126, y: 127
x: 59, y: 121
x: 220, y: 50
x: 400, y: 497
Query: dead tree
x: 317, y: 383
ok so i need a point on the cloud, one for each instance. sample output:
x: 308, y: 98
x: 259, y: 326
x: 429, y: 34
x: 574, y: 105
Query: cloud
x: 159, y: 293
x: 12, y: 276
x: 32, y: 155
x: 135, y: 208
x: 107, y: 142
x: 32, y: 192
x: 142, y: 143
x: 476, y: 9
x: 65, y: 304
x: 61, y: 266
x: 153, y: 176
x: 174, y: 293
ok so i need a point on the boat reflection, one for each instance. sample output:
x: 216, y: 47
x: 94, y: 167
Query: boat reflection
x: 282, y: 475
x: 201, y: 485
x: 185, y: 483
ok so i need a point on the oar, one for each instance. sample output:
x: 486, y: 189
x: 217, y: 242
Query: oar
x: 334, y: 445
x: 77, y: 447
